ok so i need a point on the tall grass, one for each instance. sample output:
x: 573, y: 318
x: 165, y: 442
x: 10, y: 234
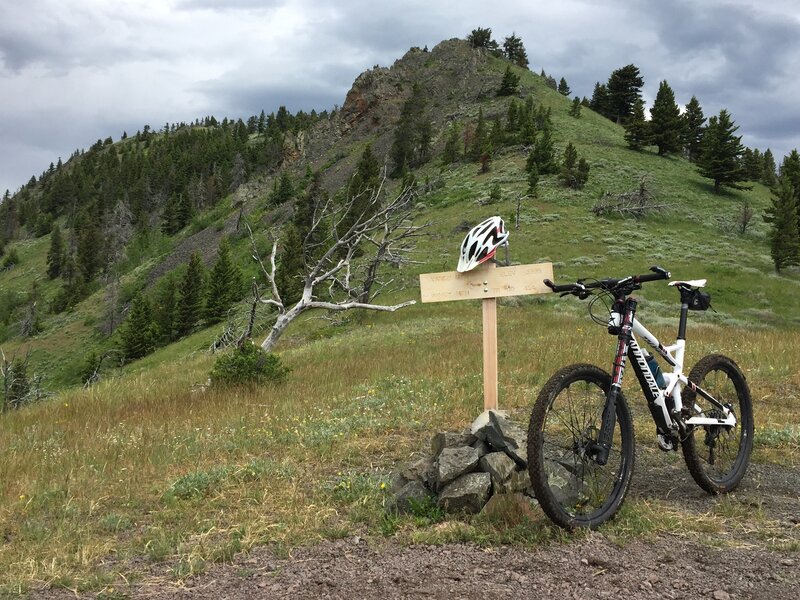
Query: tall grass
x: 144, y: 465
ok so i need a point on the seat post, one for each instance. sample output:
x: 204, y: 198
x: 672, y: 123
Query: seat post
x: 684, y: 313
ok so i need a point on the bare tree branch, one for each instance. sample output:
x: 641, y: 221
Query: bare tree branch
x: 382, y: 233
x: 268, y: 275
x: 365, y: 305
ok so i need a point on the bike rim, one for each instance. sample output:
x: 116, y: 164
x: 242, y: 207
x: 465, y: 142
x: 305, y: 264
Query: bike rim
x: 582, y: 489
x: 719, y: 448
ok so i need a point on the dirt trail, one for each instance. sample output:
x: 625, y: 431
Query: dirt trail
x: 593, y: 568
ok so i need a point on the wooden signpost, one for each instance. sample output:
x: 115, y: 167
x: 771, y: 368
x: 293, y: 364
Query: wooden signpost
x: 488, y: 283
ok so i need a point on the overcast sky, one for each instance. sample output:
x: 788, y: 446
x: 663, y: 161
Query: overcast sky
x: 74, y: 71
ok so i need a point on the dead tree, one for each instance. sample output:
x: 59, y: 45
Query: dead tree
x: 17, y: 388
x: 637, y: 203
x: 745, y: 217
x: 345, y: 272
x: 520, y: 198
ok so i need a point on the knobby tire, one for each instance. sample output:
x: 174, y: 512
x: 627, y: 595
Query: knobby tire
x: 571, y: 488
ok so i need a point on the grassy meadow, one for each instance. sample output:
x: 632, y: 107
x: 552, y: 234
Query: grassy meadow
x: 148, y: 466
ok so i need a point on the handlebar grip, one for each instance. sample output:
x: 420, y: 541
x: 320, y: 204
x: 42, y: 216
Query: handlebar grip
x: 559, y: 288
x: 657, y: 275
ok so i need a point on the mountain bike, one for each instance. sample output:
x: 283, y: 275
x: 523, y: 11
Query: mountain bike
x: 580, y: 438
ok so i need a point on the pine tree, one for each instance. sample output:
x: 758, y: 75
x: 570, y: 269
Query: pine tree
x: 184, y: 212
x: 527, y: 123
x: 624, y: 87
x: 512, y: 117
x: 224, y: 285
x: 692, y: 129
x: 165, y: 311
x: 301, y: 243
x: 720, y: 153
x: 138, y: 332
x: 510, y: 83
x: 168, y: 217
x: 361, y: 190
x: 583, y: 172
x: 514, y: 51
x: 451, y: 154
x: 190, y: 297
x: 574, y: 171
x: 290, y: 274
x: 784, y: 236
x: 497, y: 135
x: 637, y: 130
x: 282, y: 190
x: 482, y: 38
x: 480, y: 138
x: 769, y: 169
x: 575, y: 108
x: 752, y: 163
x: 569, y: 165
x: 665, y: 121
x: 563, y: 88
x: 89, y: 254
x: 544, y: 151
x: 533, y: 181
x: 55, y: 255
x: 599, y: 101
x: 790, y: 169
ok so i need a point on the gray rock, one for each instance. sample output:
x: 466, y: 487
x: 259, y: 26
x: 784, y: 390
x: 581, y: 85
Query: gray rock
x: 449, y: 439
x: 502, y: 434
x: 482, y: 447
x: 469, y: 493
x: 398, y: 483
x: 499, y: 466
x: 482, y: 421
x: 518, y: 482
x: 422, y: 470
x: 414, y: 492
x: 454, y: 462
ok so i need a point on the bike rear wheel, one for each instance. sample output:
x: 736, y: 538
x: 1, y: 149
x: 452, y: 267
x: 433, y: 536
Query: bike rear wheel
x: 572, y: 489
x: 718, y: 456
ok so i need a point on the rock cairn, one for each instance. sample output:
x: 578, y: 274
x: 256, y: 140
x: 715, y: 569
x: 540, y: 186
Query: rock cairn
x: 465, y: 469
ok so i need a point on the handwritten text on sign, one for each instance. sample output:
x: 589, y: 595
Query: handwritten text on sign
x: 486, y: 282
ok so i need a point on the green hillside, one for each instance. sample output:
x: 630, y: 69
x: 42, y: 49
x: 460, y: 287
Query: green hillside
x: 695, y: 235
x: 146, y: 464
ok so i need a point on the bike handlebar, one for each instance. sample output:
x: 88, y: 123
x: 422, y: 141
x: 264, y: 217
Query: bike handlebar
x: 632, y: 282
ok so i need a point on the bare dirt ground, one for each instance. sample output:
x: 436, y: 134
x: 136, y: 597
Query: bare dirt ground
x: 765, y: 508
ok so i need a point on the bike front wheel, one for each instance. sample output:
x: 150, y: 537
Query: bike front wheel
x: 572, y: 489
x: 717, y: 456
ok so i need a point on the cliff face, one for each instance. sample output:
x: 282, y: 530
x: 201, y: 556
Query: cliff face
x: 450, y: 75
x: 453, y: 78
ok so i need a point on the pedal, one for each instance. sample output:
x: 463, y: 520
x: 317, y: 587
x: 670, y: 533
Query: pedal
x: 666, y: 442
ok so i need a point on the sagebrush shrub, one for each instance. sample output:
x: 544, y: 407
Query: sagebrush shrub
x: 248, y: 364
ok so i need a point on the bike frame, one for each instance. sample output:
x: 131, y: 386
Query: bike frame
x: 667, y: 418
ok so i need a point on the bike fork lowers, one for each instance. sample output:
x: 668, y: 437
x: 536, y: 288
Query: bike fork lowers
x: 610, y: 410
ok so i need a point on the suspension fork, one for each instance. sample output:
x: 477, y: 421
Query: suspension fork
x: 628, y: 309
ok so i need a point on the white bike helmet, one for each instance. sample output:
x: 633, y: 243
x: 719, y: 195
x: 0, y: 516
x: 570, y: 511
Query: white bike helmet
x: 481, y: 243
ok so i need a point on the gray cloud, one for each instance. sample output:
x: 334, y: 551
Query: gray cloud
x: 74, y: 72
x: 226, y: 5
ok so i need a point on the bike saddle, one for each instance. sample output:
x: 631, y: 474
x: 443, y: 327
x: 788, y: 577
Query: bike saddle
x: 695, y: 283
